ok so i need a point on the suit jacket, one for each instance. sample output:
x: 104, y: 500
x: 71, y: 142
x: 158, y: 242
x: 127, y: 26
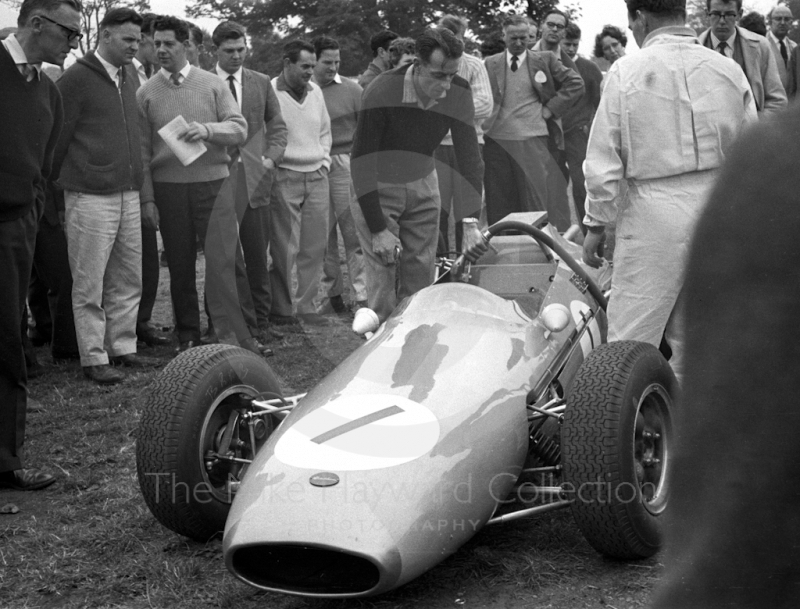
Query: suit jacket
x: 266, y: 135
x: 562, y: 86
x: 793, y: 76
x: 761, y: 70
x: 783, y: 70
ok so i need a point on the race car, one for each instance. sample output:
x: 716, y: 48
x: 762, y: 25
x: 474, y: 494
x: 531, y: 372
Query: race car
x: 489, y: 396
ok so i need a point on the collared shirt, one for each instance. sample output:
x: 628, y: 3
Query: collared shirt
x: 140, y: 71
x: 410, y: 91
x: 730, y: 41
x: 112, y: 70
x: 237, y: 81
x: 14, y: 49
x: 182, y: 75
x: 337, y: 80
x: 520, y: 59
x: 684, y: 121
x: 281, y: 85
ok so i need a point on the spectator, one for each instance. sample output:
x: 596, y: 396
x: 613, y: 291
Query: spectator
x: 754, y: 22
x: 343, y: 101
x: 731, y: 528
x: 144, y: 62
x: 404, y: 116
x: 577, y: 120
x: 33, y: 116
x: 401, y: 52
x: 531, y: 90
x: 99, y: 164
x: 195, y: 47
x: 533, y: 34
x: 781, y: 22
x: 381, y: 61
x: 610, y: 44
x: 640, y: 136
x: 553, y: 27
x: 751, y: 51
x: 300, y: 191
x: 255, y: 164
x: 187, y: 200
x: 453, y: 185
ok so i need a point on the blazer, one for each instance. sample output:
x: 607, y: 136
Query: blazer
x: 266, y: 135
x: 761, y: 70
x: 561, y: 89
x: 783, y: 71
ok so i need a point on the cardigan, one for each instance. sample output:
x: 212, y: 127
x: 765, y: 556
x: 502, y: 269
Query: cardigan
x: 99, y: 151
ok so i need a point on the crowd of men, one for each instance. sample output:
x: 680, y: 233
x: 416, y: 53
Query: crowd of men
x: 135, y: 139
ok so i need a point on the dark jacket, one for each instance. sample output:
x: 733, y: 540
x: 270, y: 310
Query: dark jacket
x: 99, y: 151
x: 31, y: 121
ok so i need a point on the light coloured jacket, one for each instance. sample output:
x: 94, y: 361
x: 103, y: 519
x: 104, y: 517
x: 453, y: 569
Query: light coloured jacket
x: 761, y: 70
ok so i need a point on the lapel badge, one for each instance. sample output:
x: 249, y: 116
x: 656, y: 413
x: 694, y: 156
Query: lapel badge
x: 540, y: 77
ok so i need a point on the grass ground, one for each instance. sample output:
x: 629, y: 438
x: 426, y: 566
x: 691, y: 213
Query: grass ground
x: 89, y: 540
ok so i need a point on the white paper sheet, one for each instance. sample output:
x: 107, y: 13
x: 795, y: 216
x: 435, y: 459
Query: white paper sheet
x: 187, y: 152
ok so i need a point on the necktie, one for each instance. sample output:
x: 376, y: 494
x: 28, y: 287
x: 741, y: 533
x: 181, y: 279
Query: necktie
x: 784, y: 54
x: 28, y: 71
x: 514, y: 63
x: 721, y: 48
x: 120, y: 79
x: 176, y: 78
x: 233, y: 88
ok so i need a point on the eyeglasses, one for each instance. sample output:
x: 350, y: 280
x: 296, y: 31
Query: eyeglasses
x: 71, y: 34
x: 555, y: 26
x: 728, y: 16
x: 783, y: 19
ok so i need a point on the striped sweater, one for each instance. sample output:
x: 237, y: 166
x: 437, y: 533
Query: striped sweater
x: 201, y: 97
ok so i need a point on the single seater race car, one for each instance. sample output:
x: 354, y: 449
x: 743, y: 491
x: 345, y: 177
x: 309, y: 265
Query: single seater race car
x: 489, y: 396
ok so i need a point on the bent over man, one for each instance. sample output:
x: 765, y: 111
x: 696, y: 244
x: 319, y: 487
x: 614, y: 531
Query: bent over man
x: 404, y: 116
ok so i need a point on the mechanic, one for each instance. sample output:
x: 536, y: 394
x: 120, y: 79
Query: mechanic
x: 667, y: 116
x: 404, y: 116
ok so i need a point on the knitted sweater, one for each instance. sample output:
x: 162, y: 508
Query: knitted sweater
x: 32, y: 116
x: 343, y: 100
x: 202, y: 97
x: 395, y: 140
x: 99, y: 151
x: 309, y: 145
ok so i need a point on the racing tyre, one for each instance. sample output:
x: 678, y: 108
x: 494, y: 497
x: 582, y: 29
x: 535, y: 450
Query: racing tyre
x: 194, y: 410
x: 616, y: 443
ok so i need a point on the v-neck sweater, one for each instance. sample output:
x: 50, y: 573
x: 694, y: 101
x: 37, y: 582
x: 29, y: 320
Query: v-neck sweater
x: 309, y: 130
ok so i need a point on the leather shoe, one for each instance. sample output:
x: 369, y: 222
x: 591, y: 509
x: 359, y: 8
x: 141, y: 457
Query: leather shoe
x: 313, y: 319
x: 149, y: 337
x: 210, y: 337
x: 103, y: 375
x: 31, y: 479
x: 252, y: 344
x: 133, y: 360
x: 284, y: 320
x: 187, y: 344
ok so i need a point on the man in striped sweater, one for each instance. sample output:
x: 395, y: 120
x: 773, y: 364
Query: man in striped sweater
x: 189, y: 202
x: 300, y: 190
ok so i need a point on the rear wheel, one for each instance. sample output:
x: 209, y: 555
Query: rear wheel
x: 195, y: 436
x: 616, y: 444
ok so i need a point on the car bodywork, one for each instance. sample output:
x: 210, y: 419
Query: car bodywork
x: 416, y: 440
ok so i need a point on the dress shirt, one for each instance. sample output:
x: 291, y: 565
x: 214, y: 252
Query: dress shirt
x: 730, y: 41
x: 182, y: 75
x: 410, y: 91
x: 237, y: 81
x: 14, y: 49
x: 140, y: 71
x: 520, y: 59
x: 113, y: 71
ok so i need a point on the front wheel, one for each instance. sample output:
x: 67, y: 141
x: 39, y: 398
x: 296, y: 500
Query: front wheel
x: 196, y: 436
x: 616, y: 443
